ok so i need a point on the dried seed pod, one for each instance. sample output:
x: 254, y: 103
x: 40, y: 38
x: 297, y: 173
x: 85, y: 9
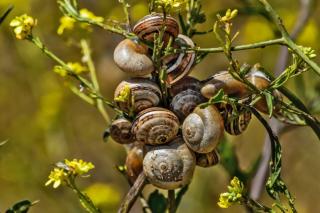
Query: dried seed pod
x: 134, y: 162
x: 207, y: 159
x: 155, y: 126
x: 203, y: 129
x: 180, y: 65
x: 169, y: 166
x: 146, y: 28
x: 120, y: 131
x: 143, y: 94
x: 132, y: 58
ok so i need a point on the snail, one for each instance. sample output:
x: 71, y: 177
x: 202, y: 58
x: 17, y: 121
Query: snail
x: 235, y: 124
x: 132, y: 58
x: 185, y: 83
x: 143, y: 94
x: 120, y: 131
x: 203, y: 129
x: 155, y: 126
x: 146, y: 27
x: 169, y: 166
x: 180, y: 65
x: 207, y: 159
x: 134, y: 162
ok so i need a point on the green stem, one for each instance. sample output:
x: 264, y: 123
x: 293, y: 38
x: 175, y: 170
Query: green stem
x: 171, y: 201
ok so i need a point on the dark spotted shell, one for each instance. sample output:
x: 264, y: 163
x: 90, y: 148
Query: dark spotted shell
x: 208, y: 159
x: 169, y: 166
x: 120, y: 131
x: 145, y: 94
x: 146, y: 28
x: 180, y: 66
x: 203, y: 129
x: 155, y: 126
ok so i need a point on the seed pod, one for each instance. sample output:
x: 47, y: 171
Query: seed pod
x: 169, y: 166
x: 208, y: 159
x: 120, y: 131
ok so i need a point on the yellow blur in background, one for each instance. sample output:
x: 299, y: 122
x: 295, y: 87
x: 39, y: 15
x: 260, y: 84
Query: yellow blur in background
x: 45, y: 123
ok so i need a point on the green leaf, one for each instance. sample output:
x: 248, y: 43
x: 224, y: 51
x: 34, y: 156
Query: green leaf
x: 21, y: 207
x: 3, y: 17
x: 269, y: 99
x: 106, y: 134
x: 157, y: 202
x: 180, y: 194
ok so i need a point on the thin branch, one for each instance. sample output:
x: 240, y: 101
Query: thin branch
x: 133, y: 194
x: 171, y: 201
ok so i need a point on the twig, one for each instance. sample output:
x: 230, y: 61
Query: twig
x: 6, y: 13
x: 133, y: 194
x: 125, y: 7
x: 171, y: 201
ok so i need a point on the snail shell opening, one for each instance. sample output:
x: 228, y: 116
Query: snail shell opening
x: 169, y: 166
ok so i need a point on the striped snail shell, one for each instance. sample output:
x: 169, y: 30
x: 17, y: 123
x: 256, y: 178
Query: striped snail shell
x: 180, y: 65
x: 235, y: 124
x: 203, y: 129
x: 155, y: 126
x: 134, y: 162
x: 120, y: 131
x: 169, y: 166
x: 143, y: 94
x: 132, y: 58
x: 146, y: 27
x: 207, y: 159
x: 187, y: 82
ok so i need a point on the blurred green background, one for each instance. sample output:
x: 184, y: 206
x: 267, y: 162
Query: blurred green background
x: 45, y: 123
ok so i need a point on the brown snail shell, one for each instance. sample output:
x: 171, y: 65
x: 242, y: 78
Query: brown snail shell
x: 132, y: 58
x: 169, y: 166
x: 207, y: 159
x: 187, y: 82
x: 180, y: 65
x: 120, y: 131
x: 144, y: 92
x: 203, y: 129
x: 134, y: 162
x: 155, y: 126
x: 146, y: 28
x: 235, y: 124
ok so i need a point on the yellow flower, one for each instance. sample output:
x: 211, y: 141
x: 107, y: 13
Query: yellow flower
x: 224, y: 201
x: 79, y: 167
x: 85, y: 13
x: 124, y: 95
x: 66, y: 23
x: 234, y: 195
x: 57, y: 177
x: 170, y: 3
x: 23, y: 25
x: 76, y: 67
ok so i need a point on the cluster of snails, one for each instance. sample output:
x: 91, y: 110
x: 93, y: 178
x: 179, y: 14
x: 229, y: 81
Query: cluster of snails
x: 168, y: 141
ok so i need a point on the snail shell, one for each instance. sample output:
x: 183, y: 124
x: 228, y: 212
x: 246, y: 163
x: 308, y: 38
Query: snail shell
x: 184, y: 102
x: 187, y: 82
x: 132, y: 58
x: 169, y: 166
x: 120, y: 131
x: 203, y: 129
x: 208, y: 159
x: 146, y: 28
x: 180, y: 65
x: 144, y: 92
x: 235, y: 124
x: 134, y: 162
x: 155, y: 126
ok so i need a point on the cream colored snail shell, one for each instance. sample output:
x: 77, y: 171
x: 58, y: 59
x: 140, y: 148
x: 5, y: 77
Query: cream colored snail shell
x: 146, y: 27
x: 235, y: 124
x: 207, y: 159
x: 169, y: 166
x: 155, y: 126
x: 132, y: 58
x: 145, y: 94
x: 120, y: 131
x: 180, y: 65
x: 203, y: 129
x: 134, y: 162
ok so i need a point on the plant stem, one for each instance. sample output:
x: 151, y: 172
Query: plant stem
x: 125, y: 7
x: 171, y: 201
x: 87, y: 55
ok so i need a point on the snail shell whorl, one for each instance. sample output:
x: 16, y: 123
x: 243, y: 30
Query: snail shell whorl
x: 184, y: 102
x: 134, y: 162
x: 153, y: 23
x: 132, y: 58
x: 180, y: 66
x: 169, y: 166
x: 187, y: 82
x: 208, y: 159
x: 155, y: 126
x: 203, y: 129
x: 120, y: 131
x: 145, y: 93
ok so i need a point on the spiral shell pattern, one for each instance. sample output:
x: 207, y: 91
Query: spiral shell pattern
x: 120, y: 131
x: 208, y: 159
x: 155, y: 126
x: 169, y: 166
x: 187, y: 82
x: 144, y: 93
x: 203, y: 129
